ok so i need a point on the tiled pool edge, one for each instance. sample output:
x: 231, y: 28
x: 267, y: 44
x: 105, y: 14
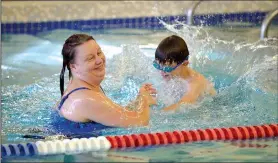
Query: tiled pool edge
x: 251, y: 18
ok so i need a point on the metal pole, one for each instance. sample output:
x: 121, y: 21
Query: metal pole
x: 190, y: 13
x: 266, y: 23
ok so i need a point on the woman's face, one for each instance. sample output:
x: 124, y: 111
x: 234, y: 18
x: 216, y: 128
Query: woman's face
x: 89, y: 64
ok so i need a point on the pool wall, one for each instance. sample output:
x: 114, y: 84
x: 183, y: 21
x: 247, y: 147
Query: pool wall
x: 32, y: 17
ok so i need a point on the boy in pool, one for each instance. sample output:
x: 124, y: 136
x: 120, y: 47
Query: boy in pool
x: 171, y: 58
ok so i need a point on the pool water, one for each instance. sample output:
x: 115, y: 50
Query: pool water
x: 243, y: 69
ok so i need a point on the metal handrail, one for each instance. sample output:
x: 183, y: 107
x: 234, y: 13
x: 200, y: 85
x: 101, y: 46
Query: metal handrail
x: 190, y: 13
x: 266, y: 23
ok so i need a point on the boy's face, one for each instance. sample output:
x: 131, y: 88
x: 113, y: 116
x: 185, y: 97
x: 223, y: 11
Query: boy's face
x: 168, y: 70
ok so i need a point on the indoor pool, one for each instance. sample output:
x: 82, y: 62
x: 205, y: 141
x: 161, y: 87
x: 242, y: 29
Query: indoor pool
x: 242, y: 67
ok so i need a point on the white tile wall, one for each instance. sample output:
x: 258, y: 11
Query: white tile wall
x: 35, y: 11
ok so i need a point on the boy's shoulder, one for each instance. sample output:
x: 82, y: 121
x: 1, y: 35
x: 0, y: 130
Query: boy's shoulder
x: 198, y: 75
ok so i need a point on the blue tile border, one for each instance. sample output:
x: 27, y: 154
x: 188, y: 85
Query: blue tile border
x: 253, y: 18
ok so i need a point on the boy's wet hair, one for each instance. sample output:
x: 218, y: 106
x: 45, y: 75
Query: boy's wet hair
x: 172, y: 49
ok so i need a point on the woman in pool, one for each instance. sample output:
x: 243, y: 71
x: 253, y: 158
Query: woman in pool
x: 171, y: 58
x: 84, y: 104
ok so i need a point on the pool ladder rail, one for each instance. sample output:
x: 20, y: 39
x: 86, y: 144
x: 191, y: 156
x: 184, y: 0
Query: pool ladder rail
x: 266, y: 23
x: 190, y: 13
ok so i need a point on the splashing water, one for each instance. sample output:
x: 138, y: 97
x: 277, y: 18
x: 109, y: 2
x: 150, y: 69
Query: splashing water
x: 244, y: 74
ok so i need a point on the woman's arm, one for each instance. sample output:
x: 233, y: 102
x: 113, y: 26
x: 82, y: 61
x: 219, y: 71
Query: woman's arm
x: 101, y: 109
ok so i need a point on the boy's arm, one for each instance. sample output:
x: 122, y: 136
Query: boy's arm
x: 192, y: 95
x: 188, y: 98
x: 211, y: 89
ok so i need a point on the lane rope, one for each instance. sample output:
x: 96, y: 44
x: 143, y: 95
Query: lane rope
x: 104, y: 143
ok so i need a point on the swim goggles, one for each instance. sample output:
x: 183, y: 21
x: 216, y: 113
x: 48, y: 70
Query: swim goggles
x: 166, y: 68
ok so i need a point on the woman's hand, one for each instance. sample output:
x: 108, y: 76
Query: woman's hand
x: 149, y: 93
